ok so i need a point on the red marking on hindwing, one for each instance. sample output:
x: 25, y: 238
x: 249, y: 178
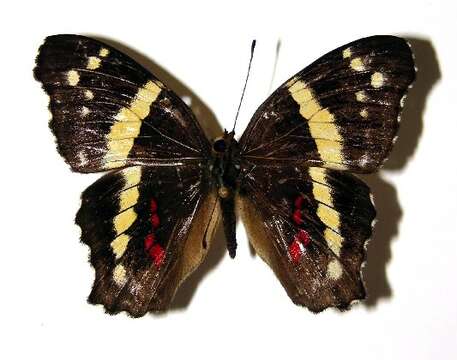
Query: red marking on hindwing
x: 297, y: 217
x: 155, y: 221
x: 299, y: 201
x: 149, y: 241
x: 157, y: 253
x: 295, y: 251
x: 154, y: 250
x: 303, y: 237
x: 153, y: 206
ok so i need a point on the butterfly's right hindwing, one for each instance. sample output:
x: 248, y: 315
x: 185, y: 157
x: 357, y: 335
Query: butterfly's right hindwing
x: 147, y: 228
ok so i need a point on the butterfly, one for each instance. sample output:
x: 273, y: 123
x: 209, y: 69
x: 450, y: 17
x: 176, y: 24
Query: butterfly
x: 149, y: 221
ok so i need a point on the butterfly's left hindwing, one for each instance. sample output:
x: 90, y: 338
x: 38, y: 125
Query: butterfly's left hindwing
x: 147, y: 229
x: 310, y: 225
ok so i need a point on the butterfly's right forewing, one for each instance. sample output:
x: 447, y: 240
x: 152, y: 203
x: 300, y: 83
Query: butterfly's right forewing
x: 110, y: 112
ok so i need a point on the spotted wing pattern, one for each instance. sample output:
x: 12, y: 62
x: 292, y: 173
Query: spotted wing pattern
x: 340, y: 112
x: 147, y: 228
x: 109, y: 112
x: 310, y: 225
x: 149, y: 222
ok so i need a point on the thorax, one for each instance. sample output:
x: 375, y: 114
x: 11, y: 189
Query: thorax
x: 225, y: 165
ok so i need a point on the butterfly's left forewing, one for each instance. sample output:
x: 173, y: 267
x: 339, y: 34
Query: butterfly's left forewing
x: 341, y: 112
x: 148, y: 228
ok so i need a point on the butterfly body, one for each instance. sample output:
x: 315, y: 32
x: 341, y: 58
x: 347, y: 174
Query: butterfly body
x: 225, y: 168
x: 150, y: 220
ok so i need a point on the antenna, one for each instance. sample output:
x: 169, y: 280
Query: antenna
x: 245, y: 83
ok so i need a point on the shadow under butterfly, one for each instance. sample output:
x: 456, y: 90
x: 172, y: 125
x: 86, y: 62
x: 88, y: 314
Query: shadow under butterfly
x: 300, y: 256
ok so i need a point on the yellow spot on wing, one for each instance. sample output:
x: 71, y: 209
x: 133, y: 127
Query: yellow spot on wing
x: 305, y: 98
x: 119, y: 275
x: 124, y: 220
x: 305, y: 94
x: 119, y: 245
x: 361, y: 95
x: 377, y: 80
x: 364, y: 113
x: 309, y: 108
x: 357, y: 64
x: 322, y: 116
x: 347, y: 53
x: 329, y: 216
x: 129, y: 198
x: 128, y: 125
x: 334, y: 241
x: 132, y: 176
x: 73, y: 77
x: 89, y: 95
x: 322, y: 194
x: 329, y: 150
x: 93, y: 63
x: 118, y: 151
x: 84, y: 111
x: 318, y: 174
x: 103, y: 52
x: 324, y: 131
x: 123, y: 130
x: 334, y: 269
x: 144, y: 98
x: 126, y: 115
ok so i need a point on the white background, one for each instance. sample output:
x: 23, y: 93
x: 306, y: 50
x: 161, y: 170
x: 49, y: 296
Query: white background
x: 231, y: 309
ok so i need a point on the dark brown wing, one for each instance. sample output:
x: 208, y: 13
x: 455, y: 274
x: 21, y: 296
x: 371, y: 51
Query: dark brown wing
x: 340, y: 112
x: 109, y: 112
x: 310, y: 225
x: 147, y: 228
